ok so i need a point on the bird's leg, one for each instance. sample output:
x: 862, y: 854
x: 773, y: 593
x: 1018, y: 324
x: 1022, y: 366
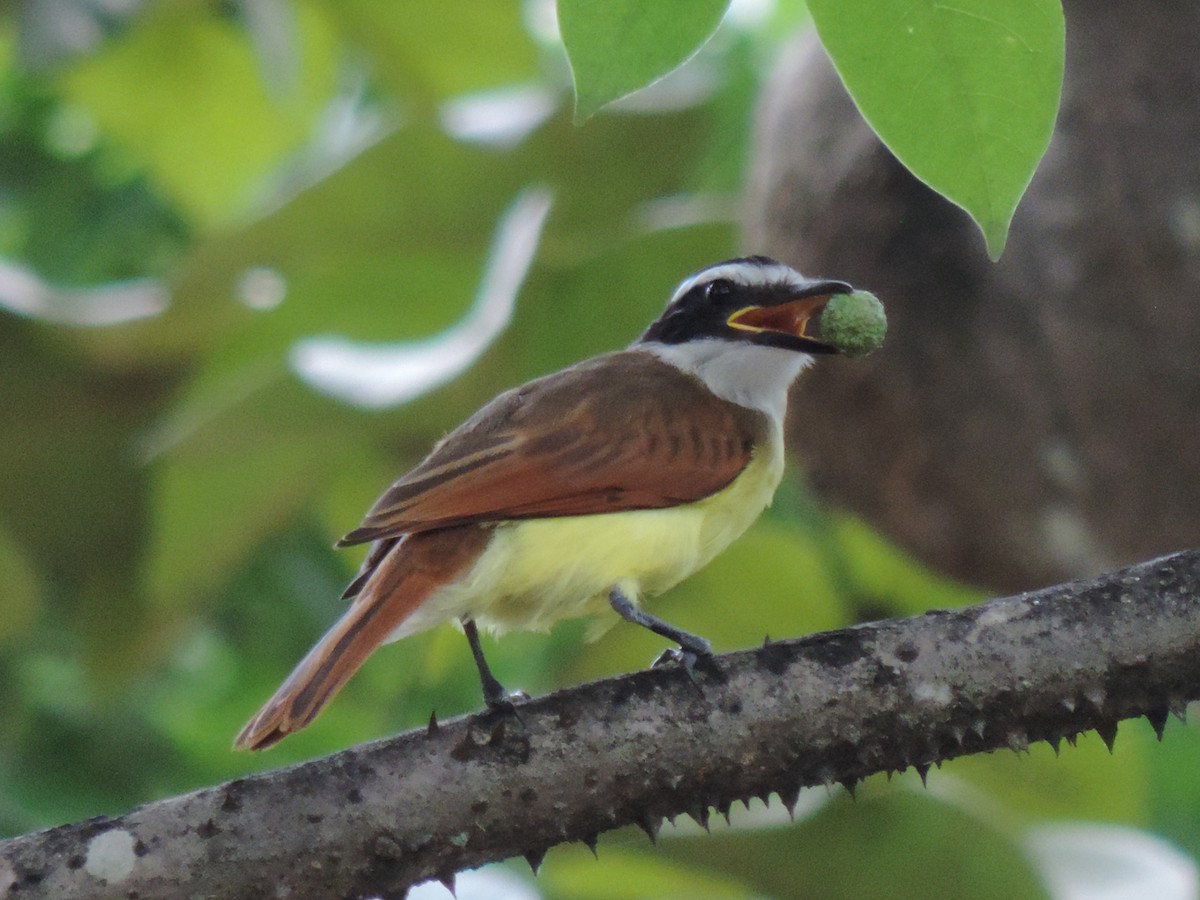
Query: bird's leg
x: 692, y: 647
x: 494, y: 694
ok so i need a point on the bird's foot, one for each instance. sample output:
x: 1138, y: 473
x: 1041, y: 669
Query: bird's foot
x: 499, y: 700
x: 690, y: 652
x: 505, y: 700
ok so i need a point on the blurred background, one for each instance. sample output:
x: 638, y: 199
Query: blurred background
x: 256, y: 256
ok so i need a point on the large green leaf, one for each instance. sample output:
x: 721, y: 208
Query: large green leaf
x: 964, y: 94
x: 618, y: 46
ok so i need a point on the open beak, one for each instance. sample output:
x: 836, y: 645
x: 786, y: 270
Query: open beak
x: 789, y: 324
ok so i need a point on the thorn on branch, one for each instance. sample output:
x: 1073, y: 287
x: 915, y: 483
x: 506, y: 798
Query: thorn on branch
x: 650, y: 825
x: 699, y: 813
x: 1178, y: 707
x: 723, y: 806
x: 590, y: 840
x: 1108, y: 734
x: 1158, y: 721
x: 534, y: 858
x: 790, y: 796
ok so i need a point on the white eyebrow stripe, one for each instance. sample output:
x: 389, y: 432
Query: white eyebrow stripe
x: 749, y: 274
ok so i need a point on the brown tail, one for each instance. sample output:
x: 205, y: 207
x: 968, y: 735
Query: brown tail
x: 401, y: 581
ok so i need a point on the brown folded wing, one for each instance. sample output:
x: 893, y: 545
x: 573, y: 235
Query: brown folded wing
x: 620, y: 432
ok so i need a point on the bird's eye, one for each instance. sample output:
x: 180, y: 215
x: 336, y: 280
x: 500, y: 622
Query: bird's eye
x: 717, y: 289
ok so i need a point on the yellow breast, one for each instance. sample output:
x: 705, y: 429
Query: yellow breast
x: 535, y: 572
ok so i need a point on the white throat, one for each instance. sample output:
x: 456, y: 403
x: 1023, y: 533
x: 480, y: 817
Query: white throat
x: 746, y: 374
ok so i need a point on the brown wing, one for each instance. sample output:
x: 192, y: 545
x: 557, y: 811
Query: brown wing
x: 623, y: 431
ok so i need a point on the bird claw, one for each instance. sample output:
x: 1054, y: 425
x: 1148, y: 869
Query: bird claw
x: 686, y: 656
x: 505, y: 703
x: 505, y: 700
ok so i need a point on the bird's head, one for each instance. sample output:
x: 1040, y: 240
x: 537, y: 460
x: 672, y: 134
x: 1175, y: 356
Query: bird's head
x: 753, y: 300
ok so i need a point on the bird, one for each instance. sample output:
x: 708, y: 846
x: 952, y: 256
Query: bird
x: 583, y: 491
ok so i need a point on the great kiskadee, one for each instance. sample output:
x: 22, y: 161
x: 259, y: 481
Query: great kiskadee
x: 587, y: 489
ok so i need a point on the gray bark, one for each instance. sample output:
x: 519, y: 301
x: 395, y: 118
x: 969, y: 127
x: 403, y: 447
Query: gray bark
x: 832, y: 707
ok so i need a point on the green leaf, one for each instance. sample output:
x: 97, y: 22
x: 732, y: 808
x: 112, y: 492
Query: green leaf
x: 964, y: 94
x: 618, y: 46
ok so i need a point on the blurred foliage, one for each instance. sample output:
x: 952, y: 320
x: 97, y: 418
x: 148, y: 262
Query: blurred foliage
x: 170, y: 489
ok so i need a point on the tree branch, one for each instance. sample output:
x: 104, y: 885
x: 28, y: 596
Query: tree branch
x: 832, y: 707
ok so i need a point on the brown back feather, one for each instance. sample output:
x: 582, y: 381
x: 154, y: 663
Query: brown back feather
x: 623, y: 431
